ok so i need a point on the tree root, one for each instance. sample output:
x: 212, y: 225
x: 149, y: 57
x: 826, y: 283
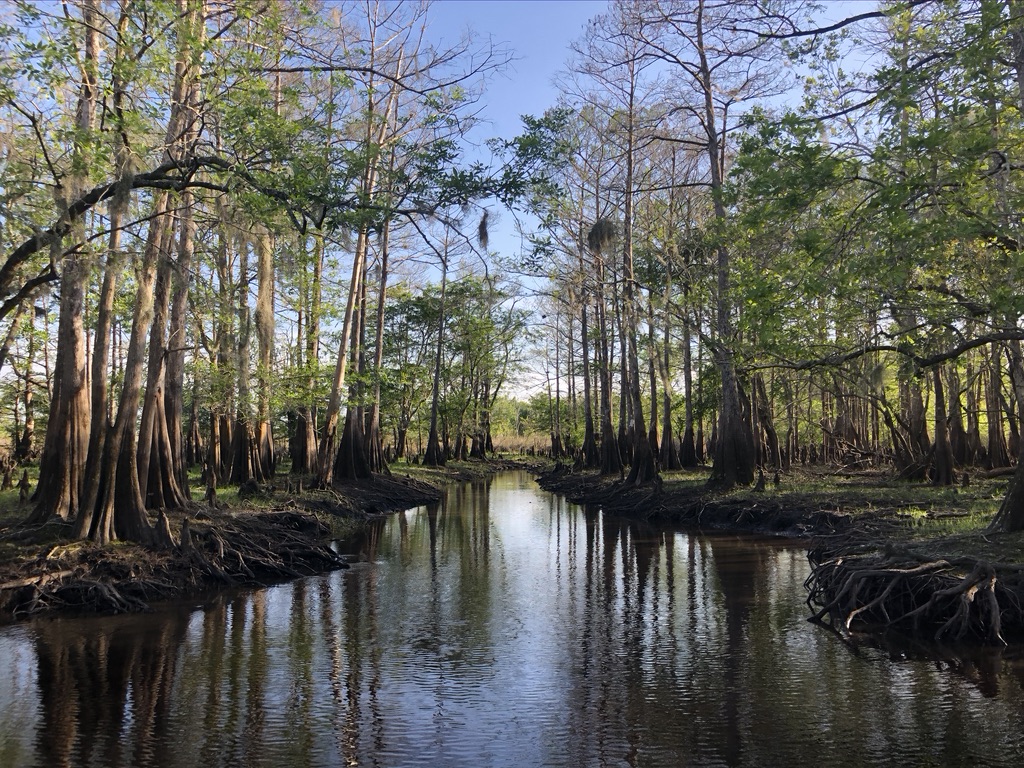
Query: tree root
x: 955, y: 600
x: 256, y: 548
x: 248, y: 549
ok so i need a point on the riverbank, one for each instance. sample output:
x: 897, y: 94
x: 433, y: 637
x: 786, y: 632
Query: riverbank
x: 885, y: 554
x: 804, y: 503
x: 249, y: 536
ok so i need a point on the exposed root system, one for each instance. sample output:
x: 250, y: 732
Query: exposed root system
x: 212, y: 547
x: 952, y: 600
x: 861, y: 578
x: 244, y: 549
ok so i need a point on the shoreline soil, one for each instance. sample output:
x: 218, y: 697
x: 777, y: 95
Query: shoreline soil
x: 886, y: 555
x: 265, y: 536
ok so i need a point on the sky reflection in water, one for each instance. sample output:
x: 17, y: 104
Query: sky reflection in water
x: 503, y: 627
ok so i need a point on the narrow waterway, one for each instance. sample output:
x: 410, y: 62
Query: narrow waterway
x: 504, y: 627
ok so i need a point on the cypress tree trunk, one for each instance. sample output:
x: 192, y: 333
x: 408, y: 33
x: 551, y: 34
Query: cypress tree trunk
x: 590, y: 456
x: 767, y: 424
x: 304, y: 447
x: 611, y: 460
x: 374, y: 139
x: 625, y: 432
x: 734, y: 443
x: 652, y: 435
x: 374, y: 441
x: 242, y: 445
x: 351, y: 462
x: 100, y: 425
x: 158, y: 476
x: 958, y: 441
x: 329, y: 439
x: 974, y: 446
x: 120, y: 512
x: 163, y: 477
x: 176, y: 464
x: 942, y: 461
x: 692, y: 445
x: 434, y: 456
x: 265, y: 340
x: 65, y: 448
x: 998, y: 453
x: 669, y: 459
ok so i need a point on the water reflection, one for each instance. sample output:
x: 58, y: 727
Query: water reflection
x: 502, y: 627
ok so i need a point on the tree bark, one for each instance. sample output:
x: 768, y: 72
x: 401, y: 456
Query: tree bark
x: 734, y: 443
x: 434, y: 455
x: 265, y: 340
x: 65, y: 447
x: 374, y: 440
x: 942, y: 460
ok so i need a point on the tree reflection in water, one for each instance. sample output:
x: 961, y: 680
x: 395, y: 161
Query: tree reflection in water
x: 504, y: 626
x: 105, y: 696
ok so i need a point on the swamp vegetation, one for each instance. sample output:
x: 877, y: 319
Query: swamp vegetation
x: 769, y: 276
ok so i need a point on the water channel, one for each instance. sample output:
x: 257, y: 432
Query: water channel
x: 504, y: 627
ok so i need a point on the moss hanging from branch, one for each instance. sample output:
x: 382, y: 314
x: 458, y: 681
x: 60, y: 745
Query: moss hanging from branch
x: 601, y: 235
x: 481, y: 231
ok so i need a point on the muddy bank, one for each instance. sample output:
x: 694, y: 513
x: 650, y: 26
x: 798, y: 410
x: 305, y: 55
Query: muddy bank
x: 684, y: 500
x: 885, y: 555
x: 284, y: 533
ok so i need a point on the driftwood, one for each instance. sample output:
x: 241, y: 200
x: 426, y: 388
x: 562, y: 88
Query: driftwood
x: 38, y: 580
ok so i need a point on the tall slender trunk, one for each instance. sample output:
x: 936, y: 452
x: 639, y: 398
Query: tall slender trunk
x: 591, y: 457
x: 174, y: 394
x: 265, y: 340
x: 611, y: 460
x: 100, y: 424
x: 120, y: 509
x: 304, y: 450
x: 998, y: 453
x: 65, y: 447
x: 556, y: 421
x: 374, y: 439
x: 351, y: 462
x: 243, y: 454
x: 374, y: 141
x: 652, y: 365
x: 643, y: 465
x: 734, y: 443
x: 434, y: 455
x: 942, y: 462
x: 153, y: 405
x: 691, y: 447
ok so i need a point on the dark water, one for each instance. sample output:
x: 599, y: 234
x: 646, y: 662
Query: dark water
x: 505, y: 628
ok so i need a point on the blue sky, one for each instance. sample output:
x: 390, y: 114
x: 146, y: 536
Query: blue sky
x: 538, y: 33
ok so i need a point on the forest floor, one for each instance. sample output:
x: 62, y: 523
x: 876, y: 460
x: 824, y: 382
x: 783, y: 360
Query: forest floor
x: 885, y: 554
x: 249, y: 536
